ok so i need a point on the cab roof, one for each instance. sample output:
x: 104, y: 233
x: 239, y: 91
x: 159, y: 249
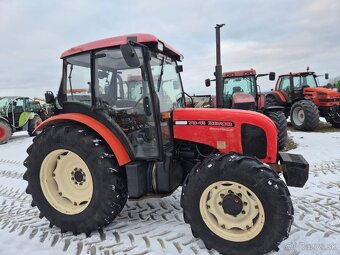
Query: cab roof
x: 239, y: 73
x: 297, y: 74
x: 119, y: 40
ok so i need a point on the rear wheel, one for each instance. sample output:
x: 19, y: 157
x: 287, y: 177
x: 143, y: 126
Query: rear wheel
x: 237, y: 205
x: 280, y: 121
x: 304, y: 115
x: 74, y: 179
x: 5, y: 132
x: 33, y: 124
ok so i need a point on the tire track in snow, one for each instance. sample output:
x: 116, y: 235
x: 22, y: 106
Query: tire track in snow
x: 153, y: 226
x: 156, y: 226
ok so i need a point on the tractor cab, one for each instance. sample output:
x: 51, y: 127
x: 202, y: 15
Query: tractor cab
x: 101, y: 80
x: 293, y: 85
x: 240, y: 90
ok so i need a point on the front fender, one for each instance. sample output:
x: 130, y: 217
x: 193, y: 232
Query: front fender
x: 24, y: 117
x: 114, y: 143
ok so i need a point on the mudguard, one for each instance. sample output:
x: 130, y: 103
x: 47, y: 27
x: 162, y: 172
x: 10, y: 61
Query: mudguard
x: 280, y: 98
x: 115, y: 144
x: 25, y: 117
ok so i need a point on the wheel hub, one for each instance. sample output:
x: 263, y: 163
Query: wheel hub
x: 2, y: 132
x: 78, y: 176
x: 232, y: 204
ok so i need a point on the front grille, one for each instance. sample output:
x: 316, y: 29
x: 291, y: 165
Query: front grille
x: 254, y: 141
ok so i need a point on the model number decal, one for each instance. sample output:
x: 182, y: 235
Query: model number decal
x: 206, y: 123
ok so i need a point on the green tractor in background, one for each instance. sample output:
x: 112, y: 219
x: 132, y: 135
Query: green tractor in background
x: 18, y: 114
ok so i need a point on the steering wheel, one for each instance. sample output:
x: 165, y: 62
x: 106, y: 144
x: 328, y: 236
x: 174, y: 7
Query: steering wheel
x: 138, y: 101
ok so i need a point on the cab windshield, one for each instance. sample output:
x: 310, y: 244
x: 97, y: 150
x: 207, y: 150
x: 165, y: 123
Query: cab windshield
x: 234, y: 85
x: 3, y: 105
x: 305, y: 80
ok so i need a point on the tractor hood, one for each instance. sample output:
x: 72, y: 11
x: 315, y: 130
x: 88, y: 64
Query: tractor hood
x: 327, y: 92
x: 245, y: 132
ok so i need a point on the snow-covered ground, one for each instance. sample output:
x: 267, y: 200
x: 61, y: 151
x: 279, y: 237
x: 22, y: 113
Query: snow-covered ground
x: 156, y: 226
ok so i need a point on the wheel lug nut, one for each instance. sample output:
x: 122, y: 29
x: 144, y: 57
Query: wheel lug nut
x: 245, y: 203
x: 222, y: 195
x: 239, y: 194
x: 80, y: 183
x: 223, y: 226
x: 229, y: 191
x: 75, y: 203
x: 220, y: 203
x: 60, y: 193
x: 72, y: 179
x: 243, y: 212
x: 75, y: 182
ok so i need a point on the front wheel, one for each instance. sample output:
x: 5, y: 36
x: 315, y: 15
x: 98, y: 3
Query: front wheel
x: 304, y: 115
x: 237, y: 205
x: 74, y: 179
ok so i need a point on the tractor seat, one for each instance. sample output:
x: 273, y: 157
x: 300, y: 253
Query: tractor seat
x: 237, y: 89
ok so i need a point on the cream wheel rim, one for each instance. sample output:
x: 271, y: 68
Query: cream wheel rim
x: 66, y: 181
x: 232, y: 211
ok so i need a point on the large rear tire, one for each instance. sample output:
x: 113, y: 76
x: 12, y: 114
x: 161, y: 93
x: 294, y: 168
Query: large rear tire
x: 74, y: 179
x: 280, y: 121
x: 304, y: 115
x: 237, y: 205
x: 5, y: 131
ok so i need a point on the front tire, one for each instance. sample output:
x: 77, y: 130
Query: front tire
x: 237, y: 205
x: 304, y: 115
x: 280, y: 121
x: 74, y: 179
x: 5, y: 132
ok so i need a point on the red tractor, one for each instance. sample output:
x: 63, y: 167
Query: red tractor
x: 108, y: 145
x: 304, y: 100
x: 239, y: 90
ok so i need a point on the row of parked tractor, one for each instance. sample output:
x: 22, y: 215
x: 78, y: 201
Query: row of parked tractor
x: 21, y: 114
x: 123, y: 127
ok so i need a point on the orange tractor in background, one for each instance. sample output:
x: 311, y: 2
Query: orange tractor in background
x: 305, y: 101
x: 123, y: 137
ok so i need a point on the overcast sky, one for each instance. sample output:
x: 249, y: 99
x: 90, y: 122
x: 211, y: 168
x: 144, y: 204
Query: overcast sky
x: 279, y: 36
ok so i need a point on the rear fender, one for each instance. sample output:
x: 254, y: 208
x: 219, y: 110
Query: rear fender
x: 280, y: 98
x: 273, y: 109
x: 114, y: 143
x: 4, y: 119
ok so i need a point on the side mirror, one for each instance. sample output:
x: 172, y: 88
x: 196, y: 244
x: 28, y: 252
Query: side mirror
x: 207, y: 83
x: 130, y: 56
x: 326, y: 76
x: 272, y: 76
x: 271, y: 89
x: 179, y: 69
x: 49, y: 97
